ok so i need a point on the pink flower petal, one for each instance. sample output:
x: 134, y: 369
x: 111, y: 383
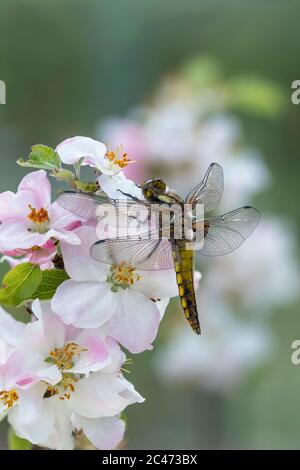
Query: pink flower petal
x: 38, y: 184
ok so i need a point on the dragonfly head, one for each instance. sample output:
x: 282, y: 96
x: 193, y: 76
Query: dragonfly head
x: 153, y: 188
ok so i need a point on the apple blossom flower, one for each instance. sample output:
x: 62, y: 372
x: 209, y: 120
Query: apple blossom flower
x: 110, y: 164
x: 128, y: 304
x: 131, y: 135
x: 57, y: 380
x: 30, y: 224
x: 90, y: 152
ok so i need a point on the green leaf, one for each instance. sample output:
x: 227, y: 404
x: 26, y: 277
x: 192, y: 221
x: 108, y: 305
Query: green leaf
x: 51, y: 280
x: 41, y: 157
x: 19, y: 284
x: 17, y: 443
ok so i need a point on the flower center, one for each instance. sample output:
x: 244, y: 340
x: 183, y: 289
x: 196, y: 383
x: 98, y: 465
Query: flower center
x: 122, y: 276
x: 64, y: 388
x: 63, y: 358
x: 38, y: 217
x: 118, y: 157
x: 8, y: 398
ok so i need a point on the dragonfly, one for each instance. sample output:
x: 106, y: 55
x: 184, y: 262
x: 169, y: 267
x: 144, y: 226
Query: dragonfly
x: 221, y: 234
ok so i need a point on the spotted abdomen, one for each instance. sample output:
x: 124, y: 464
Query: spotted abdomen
x: 184, y: 268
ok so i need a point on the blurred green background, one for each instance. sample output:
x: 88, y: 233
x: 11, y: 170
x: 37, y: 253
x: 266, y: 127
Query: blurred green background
x: 67, y: 64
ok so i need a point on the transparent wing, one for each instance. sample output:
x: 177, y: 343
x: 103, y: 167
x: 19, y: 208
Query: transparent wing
x: 115, y: 212
x: 145, y: 255
x: 209, y: 192
x: 94, y: 208
x: 82, y: 205
x: 86, y: 205
x: 227, y: 232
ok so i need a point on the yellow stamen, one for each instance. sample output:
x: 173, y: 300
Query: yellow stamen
x: 40, y: 216
x: 127, y: 361
x: 9, y: 397
x: 63, y: 358
x: 124, y: 275
x: 35, y: 248
x: 119, y: 157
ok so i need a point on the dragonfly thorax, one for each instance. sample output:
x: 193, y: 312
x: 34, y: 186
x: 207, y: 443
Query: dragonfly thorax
x: 156, y: 190
x: 152, y: 189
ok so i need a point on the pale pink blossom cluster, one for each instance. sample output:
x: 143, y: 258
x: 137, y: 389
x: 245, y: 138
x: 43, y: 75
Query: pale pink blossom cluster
x: 62, y: 372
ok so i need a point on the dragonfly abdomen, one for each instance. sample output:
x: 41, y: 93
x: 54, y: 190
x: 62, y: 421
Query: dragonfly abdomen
x: 184, y: 268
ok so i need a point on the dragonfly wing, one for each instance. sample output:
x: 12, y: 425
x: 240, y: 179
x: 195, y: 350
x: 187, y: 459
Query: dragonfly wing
x: 209, y: 192
x: 94, y: 208
x: 145, y: 255
x: 80, y: 204
x: 226, y: 233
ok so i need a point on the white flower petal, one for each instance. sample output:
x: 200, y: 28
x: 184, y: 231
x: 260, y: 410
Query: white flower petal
x: 157, y: 284
x: 73, y: 149
x: 162, y: 305
x: 104, y: 433
x: 64, y: 236
x: 117, y: 356
x: 135, y: 321
x: 31, y: 417
x: 10, y: 329
x: 61, y: 437
x: 101, y: 395
x: 78, y: 263
x: 52, y: 327
x: 84, y: 304
x: 113, y: 186
x: 95, y: 357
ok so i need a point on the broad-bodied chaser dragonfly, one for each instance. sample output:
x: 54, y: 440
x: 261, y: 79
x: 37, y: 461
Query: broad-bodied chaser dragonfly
x: 221, y: 234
